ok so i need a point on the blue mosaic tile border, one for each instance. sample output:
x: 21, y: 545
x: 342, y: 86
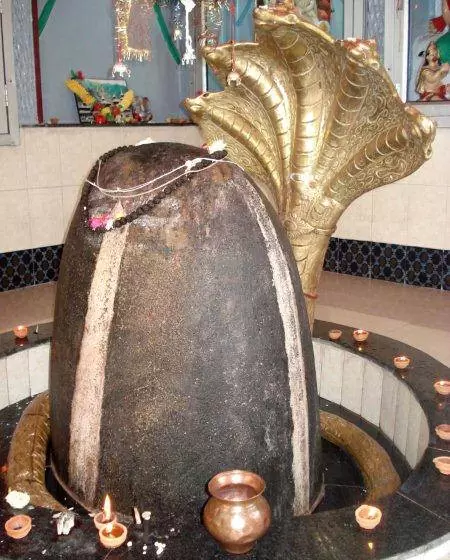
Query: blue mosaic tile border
x: 414, y: 266
x: 19, y: 269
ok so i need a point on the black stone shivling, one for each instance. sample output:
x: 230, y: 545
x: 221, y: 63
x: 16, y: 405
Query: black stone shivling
x: 181, y: 345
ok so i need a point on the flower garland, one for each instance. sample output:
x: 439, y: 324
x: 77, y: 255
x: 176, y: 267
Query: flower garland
x: 101, y: 112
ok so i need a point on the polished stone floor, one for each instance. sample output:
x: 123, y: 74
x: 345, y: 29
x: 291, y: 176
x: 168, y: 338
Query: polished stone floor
x: 417, y: 316
x: 323, y: 536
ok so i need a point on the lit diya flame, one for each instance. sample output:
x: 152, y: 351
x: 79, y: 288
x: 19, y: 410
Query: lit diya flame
x: 107, y: 510
x: 106, y: 516
x: 21, y: 331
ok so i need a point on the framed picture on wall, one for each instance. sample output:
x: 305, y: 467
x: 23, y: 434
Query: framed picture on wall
x: 429, y: 51
x: 107, y: 92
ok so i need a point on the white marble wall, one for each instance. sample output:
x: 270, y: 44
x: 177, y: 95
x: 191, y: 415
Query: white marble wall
x: 344, y: 378
x: 414, y: 211
x: 373, y: 392
x: 24, y: 374
x: 40, y: 179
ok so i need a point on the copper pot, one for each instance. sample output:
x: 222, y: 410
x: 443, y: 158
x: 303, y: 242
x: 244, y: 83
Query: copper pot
x: 237, y: 514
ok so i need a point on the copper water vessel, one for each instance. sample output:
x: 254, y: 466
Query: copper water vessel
x: 237, y: 514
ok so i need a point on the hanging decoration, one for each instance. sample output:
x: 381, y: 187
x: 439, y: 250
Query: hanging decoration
x: 45, y: 14
x: 166, y: 33
x: 189, y: 53
x: 213, y: 14
x: 133, y: 29
x: 177, y: 21
x: 120, y: 69
x: 234, y: 78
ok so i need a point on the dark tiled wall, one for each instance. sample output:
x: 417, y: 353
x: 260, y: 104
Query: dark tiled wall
x: 415, y: 266
x: 29, y: 267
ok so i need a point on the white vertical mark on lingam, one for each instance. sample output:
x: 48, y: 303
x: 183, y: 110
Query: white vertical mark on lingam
x: 287, y: 305
x: 90, y: 374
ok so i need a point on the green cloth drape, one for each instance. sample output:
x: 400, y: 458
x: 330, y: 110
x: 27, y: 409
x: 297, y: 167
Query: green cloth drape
x: 45, y: 14
x: 166, y: 33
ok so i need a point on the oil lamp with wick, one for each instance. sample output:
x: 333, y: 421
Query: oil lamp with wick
x: 401, y: 362
x: 113, y: 535
x: 18, y: 527
x: 21, y: 331
x: 106, y: 516
x: 334, y: 334
x: 367, y: 516
x: 442, y: 464
x: 443, y: 431
x: 442, y: 387
x: 360, y: 335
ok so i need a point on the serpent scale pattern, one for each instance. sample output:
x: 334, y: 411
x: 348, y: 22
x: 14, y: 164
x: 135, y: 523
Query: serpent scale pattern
x: 317, y: 122
x: 28, y: 452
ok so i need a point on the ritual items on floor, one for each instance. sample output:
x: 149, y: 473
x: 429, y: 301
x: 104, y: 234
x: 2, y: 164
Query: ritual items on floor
x: 18, y: 527
x: 21, y: 331
x: 442, y: 464
x: 113, y: 535
x: 368, y: 517
x: 401, y: 362
x: 360, y: 335
x: 334, y: 334
x: 442, y: 387
x: 443, y: 431
x: 237, y: 514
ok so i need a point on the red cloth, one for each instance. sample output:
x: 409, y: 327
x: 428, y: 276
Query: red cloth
x: 428, y: 95
x: 438, y: 22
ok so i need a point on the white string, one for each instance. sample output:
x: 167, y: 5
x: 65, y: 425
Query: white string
x: 137, y: 187
x: 124, y: 193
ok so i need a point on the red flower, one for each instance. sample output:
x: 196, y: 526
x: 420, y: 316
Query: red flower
x: 99, y: 119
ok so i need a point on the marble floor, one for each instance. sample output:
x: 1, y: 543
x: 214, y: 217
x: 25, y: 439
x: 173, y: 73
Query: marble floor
x: 417, y: 316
